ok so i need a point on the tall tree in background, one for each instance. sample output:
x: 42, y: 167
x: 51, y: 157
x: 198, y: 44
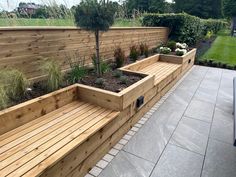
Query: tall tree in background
x: 229, y: 10
x: 154, y: 6
x: 200, y: 8
x: 95, y: 16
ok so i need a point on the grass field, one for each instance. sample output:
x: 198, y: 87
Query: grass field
x: 58, y: 22
x: 223, y: 49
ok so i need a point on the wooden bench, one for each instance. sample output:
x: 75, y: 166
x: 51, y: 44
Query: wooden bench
x: 161, y: 70
x: 37, y: 145
x: 164, y: 72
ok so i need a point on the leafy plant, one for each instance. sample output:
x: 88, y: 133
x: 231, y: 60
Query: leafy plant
x: 146, y: 50
x: 105, y: 67
x: 119, y: 55
x: 4, y: 99
x: 209, y: 35
x: 95, y: 16
x: 78, y: 69
x: 15, y: 83
x: 99, y: 81
x: 123, y: 79
x: 141, y: 48
x: 171, y: 45
x: 117, y: 74
x: 180, y: 52
x: 165, y: 50
x: 54, y: 76
x: 134, y: 52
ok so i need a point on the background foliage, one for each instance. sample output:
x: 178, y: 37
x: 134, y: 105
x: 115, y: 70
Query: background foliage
x: 184, y: 27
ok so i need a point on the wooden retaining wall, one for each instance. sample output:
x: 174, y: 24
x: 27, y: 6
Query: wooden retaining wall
x: 27, y: 48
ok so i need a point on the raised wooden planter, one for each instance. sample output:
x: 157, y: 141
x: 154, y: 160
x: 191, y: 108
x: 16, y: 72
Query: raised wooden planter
x: 66, y: 132
x: 186, y: 60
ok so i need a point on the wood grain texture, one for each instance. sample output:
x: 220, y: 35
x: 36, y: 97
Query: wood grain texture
x: 21, y: 114
x: 27, y: 48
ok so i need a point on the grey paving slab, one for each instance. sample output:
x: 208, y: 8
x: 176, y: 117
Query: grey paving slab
x: 220, y: 160
x: 200, y: 110
x: 176, y: 136
x: 151, y: 139
x: 192, y: 135
x: 224, y: 103
x: 127, y: 165
x: 181, y: 96
x: 222, y: 126
x: 206, y: 95
x: 178, y: 162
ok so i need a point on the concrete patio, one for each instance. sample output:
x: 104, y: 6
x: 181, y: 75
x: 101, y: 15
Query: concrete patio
x: 190, y: 134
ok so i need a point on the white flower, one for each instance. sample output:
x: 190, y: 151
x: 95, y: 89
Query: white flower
x: 29, y: 89
x: 181, y: 45
x: 181, y: 52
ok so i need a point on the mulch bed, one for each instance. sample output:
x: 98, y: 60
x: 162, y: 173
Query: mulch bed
x: 203, y: 45
x: 110, y: 82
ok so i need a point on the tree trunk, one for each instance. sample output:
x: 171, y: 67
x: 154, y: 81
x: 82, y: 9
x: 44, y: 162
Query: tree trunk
x: 98, y: 67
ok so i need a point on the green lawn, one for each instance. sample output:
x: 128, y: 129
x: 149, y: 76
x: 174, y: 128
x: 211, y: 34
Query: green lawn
x: 223, y: 49
x: 35, y: 22
x: 58, y: 22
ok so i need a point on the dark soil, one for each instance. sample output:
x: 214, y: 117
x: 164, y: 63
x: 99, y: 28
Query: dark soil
x: 37, y: 89
x: 110, y: 82
x: 203, y: 45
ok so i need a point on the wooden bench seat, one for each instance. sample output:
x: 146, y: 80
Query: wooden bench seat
x: 161, y: 70
x: 31, y: 148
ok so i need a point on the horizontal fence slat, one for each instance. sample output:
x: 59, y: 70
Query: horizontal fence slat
x: 28, y: 48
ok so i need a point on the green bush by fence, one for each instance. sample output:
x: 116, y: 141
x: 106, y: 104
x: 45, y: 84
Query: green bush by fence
x: 184, y: 27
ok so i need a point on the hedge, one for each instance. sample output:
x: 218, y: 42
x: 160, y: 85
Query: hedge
x: 183, y: 27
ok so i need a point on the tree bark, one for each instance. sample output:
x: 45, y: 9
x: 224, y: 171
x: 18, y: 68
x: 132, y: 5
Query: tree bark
x: 98, y: 67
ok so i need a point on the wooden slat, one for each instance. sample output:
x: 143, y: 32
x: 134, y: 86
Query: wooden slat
x: 77, y: 141
x: 22, y: 130
x: 69, y: 142
x: 57, y: 135
x: 29, y: 139
x: 18, y: 115
x: 21, y: 48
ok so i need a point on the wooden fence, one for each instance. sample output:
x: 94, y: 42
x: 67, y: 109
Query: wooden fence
x: 27, y: 48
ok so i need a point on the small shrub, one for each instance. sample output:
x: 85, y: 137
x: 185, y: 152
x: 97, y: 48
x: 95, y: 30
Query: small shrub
x: 117, y: 74
x: 105, y: 67
x: 180, y: 52
x: 15, y: 83
x: 165, y: 50
x: 134, y: 53
x: 171, y: 45
x: 145, y: 51
x: 141, y: 48
x: 4, y: 99
x: 119, y: 55
x: 123, y: 79
x: 99, y: 81
x: 78, y: 69
x: 94, y: 61
x: 209, y: 35
x: 54, y: 76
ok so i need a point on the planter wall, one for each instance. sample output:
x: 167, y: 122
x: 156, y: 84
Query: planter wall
x: 84, y: 150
